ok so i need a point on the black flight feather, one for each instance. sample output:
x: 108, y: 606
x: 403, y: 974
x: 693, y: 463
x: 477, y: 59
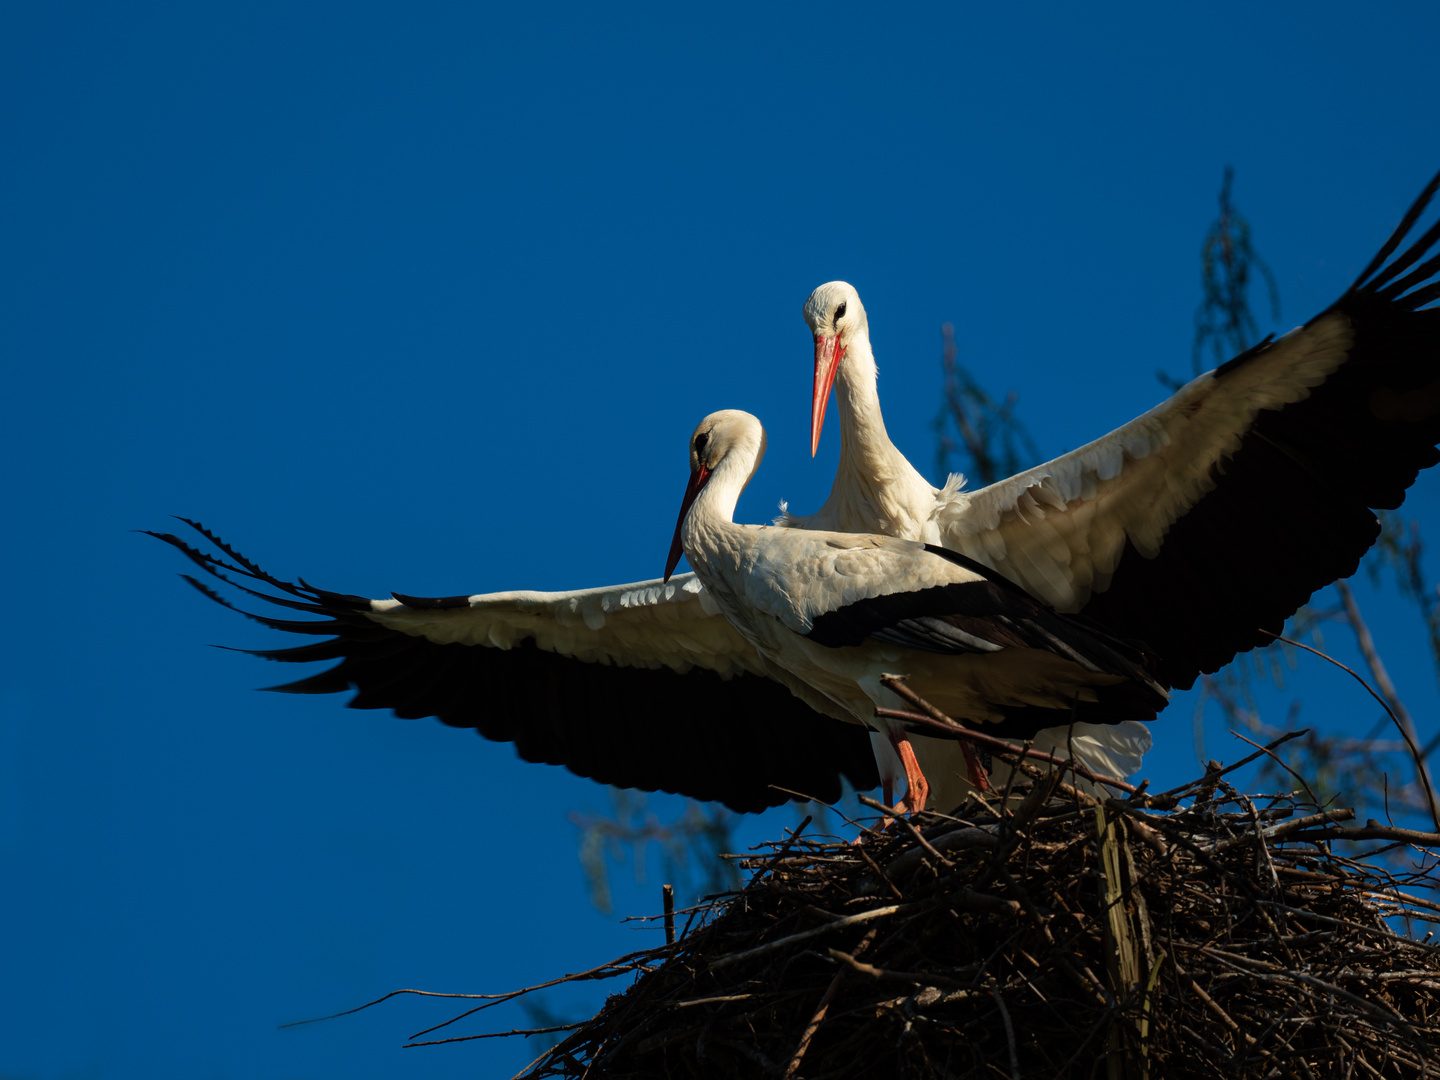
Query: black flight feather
x: 733, y: 740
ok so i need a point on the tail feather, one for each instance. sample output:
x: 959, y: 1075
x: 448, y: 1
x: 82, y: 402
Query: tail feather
x: 1105, y: 749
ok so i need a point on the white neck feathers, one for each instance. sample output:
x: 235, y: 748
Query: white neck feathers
x: 876, y: 488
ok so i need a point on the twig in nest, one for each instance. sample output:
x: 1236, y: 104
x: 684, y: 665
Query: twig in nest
x: 814, y: 1025
x: 811, y: 798
x: 935, y: 720
x: 960, y: 839
x: 1009, y: 1032
x: 1314, y: 799
x: 1000, y: 746
x: 901, y: 820
x: 1263, y: 846
x: 1242, y: 1002
x: 918, y: 978
x: 1387, y: 832
x: 498, y: 1034
x: 819, y: 1016
x: 623, y: 965
x: 880, y: 875
x: 1165, y: 799
x: 1286, y: 828
x: 789, y: 842
x: 849, y: 920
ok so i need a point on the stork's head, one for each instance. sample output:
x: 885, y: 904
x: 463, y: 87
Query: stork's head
x: 730, y: 438
x: 835, y: 317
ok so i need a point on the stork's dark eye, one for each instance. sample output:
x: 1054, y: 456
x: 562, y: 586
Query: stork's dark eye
x: 840, y: 311
x: 700, y: 441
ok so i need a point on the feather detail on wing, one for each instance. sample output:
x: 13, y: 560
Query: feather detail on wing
x: 981, y: 613
x: 799, y: 575
x: 1202, y: 525
x: 647, y: 624
x: 642, y: 685
x: 1059, y: 529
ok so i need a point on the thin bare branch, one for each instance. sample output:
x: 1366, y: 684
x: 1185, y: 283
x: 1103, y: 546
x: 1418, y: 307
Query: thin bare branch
x: 1394, y: 706
x: 1423, y: 773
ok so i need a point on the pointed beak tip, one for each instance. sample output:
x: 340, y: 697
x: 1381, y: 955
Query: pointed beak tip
x: 677, y: 546
x: 672, y: 562
x: 826, y: 365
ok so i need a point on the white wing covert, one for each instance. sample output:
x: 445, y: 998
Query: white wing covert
x: 1058, y: 530
x: 643, y: 685
x: 1200, y: 527
x: 646, y: 624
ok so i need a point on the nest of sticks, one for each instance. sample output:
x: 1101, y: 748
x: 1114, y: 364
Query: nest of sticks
x: 1037, y: 932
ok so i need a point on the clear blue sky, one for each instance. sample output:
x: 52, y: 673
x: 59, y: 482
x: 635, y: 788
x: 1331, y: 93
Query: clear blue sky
x: 428, y: 299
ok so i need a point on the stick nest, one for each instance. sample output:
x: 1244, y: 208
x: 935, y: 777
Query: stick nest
x: 1201, y: 933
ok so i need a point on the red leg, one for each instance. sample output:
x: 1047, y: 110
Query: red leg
x: 977, y: 771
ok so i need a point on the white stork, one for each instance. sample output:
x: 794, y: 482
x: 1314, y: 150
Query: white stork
x: 838, y: 610
x: 645, y: 685
x: 1201, y: 526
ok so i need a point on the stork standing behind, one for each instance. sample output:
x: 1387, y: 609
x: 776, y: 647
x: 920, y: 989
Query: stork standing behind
x: 1202, y: 525
x: 839, y: 610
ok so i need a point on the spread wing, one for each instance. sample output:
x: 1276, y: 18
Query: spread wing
x: 1218, y: 513
x: 644, y: 685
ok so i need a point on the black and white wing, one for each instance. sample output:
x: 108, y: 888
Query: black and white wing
x: 1214, y: 516
x: 643, y: 685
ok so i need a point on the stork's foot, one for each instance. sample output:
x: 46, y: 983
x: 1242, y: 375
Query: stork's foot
x: 917, y: 788
x: 979, y: 778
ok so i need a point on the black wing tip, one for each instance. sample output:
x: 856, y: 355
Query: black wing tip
x: 313, y: 598
x: 1381, y: 282
x: 335, y: 599
x: 329, y: 681
x: 492, y: 691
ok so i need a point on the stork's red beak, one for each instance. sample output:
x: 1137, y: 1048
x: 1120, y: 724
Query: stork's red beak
x: 827, y: 359
x: 697, y: 481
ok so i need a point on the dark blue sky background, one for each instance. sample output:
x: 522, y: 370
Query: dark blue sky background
x: 429, y: 299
